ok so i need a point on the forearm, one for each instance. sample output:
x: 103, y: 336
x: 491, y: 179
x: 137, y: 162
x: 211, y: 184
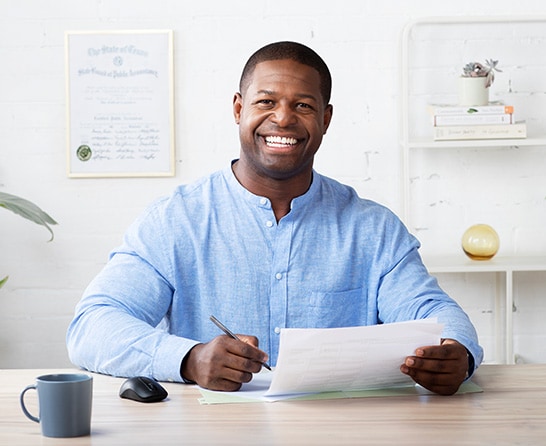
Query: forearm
x: 408, y: 292
x: 115, y: 329
x: 106, y: 340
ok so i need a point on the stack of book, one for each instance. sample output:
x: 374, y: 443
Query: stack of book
x: 493, y: 121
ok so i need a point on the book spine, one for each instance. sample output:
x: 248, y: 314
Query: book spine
x: 471, y: 110
x: 474, y: 119
x: 493, y: 131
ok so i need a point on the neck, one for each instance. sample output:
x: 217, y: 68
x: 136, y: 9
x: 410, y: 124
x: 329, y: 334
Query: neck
x: 280, y: 192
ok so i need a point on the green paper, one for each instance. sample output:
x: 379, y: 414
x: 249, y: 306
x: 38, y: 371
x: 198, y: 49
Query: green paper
x: 212, y: 397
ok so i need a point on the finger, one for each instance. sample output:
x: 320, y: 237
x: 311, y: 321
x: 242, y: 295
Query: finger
x: 252, y: 340
x: 439, y: 379
x: 242, y: 357
x: 443, y: 384
x: 231, y: 379
x: 436, y: 352
x: 249, y: 349
x: 449, y: 349
x: 222, y: 385
x: 434, y: 365
x: 457, y: 367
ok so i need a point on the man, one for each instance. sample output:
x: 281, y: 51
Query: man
x: 264, y: 244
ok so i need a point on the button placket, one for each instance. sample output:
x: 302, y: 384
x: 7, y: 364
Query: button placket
x: 279, y: 277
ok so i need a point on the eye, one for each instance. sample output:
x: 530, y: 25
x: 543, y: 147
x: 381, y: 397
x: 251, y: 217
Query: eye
x: 305, y: 106
x: 264, y: 102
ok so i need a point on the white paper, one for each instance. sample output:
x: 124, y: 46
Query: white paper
x: 349, y: 358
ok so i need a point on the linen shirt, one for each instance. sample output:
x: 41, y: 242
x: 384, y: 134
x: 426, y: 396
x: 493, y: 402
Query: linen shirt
x: 213, y: 247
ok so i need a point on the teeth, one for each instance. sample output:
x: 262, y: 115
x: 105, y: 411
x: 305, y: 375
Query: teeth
x: 280, y: 140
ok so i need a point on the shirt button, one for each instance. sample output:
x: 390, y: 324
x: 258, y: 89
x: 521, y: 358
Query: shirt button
x: 263, y: 200
x: 269, y: 223
x: 278, y: 276
x: 277, y: 330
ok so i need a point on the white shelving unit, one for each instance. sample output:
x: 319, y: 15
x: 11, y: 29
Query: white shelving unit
x: 504, y: 267
x: 412, y: 139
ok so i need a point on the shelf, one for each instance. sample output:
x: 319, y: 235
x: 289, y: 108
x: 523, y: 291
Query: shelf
x: 504, y: 268
x: 427, y: 143
x: 462, y: 264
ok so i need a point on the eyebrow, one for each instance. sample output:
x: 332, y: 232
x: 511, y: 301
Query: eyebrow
x: 299, y: 95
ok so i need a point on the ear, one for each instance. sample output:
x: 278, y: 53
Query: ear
x: 237, y: 107
x: 328, y: 111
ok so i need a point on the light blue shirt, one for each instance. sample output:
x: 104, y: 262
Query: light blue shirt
x: 213, y: 247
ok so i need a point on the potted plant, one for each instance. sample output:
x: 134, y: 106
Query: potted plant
x: 475, y: 81
x: 28, y: 210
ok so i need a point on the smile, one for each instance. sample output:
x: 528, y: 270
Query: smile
x: 280, y: 141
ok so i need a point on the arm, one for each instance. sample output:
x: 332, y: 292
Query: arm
x: 143, y: 313
x: 116, y: 328
x: 120, y: 324
x: 409, y: 292
x: 115, y: 332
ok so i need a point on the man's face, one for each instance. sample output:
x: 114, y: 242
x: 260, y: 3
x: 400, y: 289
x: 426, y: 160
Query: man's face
x: 282, y: 118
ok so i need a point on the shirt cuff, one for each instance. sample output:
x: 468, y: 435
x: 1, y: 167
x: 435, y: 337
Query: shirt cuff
x: 471, y: 364
x: 186, y: 381
x: 166, y: 362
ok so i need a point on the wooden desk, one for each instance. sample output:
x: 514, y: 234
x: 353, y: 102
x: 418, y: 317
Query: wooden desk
x: 512, y: 409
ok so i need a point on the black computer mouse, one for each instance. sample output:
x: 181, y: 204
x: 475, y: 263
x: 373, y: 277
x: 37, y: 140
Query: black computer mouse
x: 142, y: 389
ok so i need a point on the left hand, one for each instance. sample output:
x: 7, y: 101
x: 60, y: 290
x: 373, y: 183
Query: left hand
x: 438, y: 368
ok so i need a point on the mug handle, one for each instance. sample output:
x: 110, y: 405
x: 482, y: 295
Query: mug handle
x: 22, y: 400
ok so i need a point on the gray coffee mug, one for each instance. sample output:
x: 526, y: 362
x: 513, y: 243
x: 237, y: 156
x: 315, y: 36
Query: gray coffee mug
x: 64, y: 402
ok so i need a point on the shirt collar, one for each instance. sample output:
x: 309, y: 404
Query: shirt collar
x: 260, y: 201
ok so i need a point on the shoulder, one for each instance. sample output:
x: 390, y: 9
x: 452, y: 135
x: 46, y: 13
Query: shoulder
x: 371, y: 220
x: 200, y: 190
x: 182, y: 205
x: 348, y: 199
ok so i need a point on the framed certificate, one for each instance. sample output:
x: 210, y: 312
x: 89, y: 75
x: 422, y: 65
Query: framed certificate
x: 120, y: 108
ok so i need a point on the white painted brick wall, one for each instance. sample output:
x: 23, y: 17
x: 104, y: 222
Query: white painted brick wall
x: 213, y: 39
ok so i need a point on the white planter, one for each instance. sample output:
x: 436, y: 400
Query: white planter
x: 472, y: 91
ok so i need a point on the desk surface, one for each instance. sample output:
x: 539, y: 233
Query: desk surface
x: 512, y: 409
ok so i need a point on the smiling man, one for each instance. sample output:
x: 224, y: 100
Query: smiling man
x: 264, y: 244
x: 282, y: 116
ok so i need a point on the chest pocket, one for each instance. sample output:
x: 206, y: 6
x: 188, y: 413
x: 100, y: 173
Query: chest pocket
x: 336, y: 309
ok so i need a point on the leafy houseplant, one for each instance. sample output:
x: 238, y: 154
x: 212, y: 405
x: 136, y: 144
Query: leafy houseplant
x: 28, y: 210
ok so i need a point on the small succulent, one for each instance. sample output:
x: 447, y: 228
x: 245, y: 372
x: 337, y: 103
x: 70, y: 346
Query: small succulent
x: 476, y: 69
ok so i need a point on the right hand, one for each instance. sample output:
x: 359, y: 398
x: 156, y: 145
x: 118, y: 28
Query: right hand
x: 224, y: 363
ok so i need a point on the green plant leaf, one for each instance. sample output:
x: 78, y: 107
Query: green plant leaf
x: 3, y: 281
x: 28, y: 210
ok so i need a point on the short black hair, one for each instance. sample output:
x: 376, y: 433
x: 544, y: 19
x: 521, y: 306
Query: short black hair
x: 293, y: 51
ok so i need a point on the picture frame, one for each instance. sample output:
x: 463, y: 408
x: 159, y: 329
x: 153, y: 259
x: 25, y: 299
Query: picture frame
x: 120, y: 103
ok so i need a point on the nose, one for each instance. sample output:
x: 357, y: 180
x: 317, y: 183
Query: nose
x: 284, y: 115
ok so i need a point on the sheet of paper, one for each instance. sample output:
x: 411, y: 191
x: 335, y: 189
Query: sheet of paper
x: 348, y: 358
